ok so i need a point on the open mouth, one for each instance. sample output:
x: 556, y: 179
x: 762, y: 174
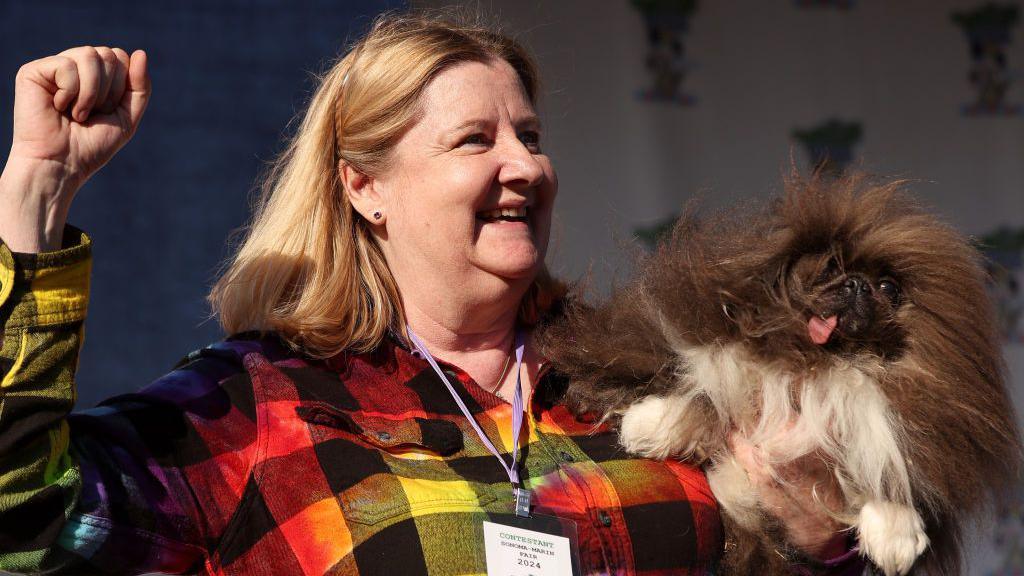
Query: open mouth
x: 503, y: 215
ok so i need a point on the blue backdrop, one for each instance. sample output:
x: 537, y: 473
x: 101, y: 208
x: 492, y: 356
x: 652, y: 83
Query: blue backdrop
x: 227, y: 78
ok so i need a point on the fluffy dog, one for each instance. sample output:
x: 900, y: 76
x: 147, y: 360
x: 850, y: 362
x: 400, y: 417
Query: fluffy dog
x: 841, y: 322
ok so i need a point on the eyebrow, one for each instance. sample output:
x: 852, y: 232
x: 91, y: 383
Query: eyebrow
x: 529, y: 122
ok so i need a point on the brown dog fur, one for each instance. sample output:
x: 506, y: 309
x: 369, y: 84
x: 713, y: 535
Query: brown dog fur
x: 754, y: 277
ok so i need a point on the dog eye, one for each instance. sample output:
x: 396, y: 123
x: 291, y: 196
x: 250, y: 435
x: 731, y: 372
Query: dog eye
x: 890, y: 290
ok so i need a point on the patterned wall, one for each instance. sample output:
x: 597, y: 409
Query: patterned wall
x: 649, y: 103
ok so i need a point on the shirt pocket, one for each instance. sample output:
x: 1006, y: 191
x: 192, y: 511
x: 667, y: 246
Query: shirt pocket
x: 386, y: 469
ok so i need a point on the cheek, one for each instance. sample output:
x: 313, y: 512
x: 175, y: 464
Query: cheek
x: 436, y: 210
x: 422, y: 192
x: 460, y: 185
x: 435, y: 228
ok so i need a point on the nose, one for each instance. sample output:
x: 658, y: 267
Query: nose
x: 855, y: 286
x: 519, y: 167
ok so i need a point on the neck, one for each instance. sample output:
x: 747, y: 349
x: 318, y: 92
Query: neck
x: 480, y: 345
x: 450, y: 336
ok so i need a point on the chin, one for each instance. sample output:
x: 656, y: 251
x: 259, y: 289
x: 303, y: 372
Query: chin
x: 514, y: 264
x: 841, y: 322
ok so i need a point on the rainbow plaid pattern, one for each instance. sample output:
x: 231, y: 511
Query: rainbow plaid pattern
x: 250, y: 459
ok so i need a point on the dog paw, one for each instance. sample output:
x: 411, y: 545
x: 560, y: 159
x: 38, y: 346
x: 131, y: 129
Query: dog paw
x: 891, y: 535
x: 735, y: 494
x: 647, y: 429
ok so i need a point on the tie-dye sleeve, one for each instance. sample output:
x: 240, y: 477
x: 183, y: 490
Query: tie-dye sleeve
x: 82, y: 501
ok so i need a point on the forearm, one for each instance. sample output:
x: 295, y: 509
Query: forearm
x: 34, y: 202
x: 43, y: 299
x: 82, y: 493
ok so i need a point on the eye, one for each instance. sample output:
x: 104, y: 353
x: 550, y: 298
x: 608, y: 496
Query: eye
x: 890, y: 289
x: 531, y: 139
x: 477, y: 139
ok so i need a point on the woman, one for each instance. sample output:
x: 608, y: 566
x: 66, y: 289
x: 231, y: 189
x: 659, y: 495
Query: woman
x: 407, y: 221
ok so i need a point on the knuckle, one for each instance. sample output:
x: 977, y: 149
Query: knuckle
x: 107, y: 55
x: 91, y: 56
x: 78, y: 51
x: 24, y: 70
x: 67, y: 65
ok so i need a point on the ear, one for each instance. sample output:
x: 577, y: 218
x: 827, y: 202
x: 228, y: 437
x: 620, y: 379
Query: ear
x: 362, y: 192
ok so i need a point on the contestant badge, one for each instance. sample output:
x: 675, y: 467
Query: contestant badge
x: 529, y: 548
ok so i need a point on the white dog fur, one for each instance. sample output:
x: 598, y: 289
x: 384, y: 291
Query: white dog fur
x: 840, y: 414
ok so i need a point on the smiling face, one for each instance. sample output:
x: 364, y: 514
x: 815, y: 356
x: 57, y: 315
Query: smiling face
x: 468, y: 194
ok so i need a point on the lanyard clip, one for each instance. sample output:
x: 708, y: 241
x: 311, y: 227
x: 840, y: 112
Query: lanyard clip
x: 523, y: 498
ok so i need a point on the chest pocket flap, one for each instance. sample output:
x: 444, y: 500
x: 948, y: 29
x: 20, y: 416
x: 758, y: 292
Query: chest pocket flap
x: 380, y: 483
x: 435, y: 435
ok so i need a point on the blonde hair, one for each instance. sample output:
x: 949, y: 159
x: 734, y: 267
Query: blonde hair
x: 309, y: 267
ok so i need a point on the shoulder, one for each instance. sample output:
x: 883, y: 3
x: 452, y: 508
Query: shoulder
x: 233, y: 349
x: 206, y: 369
x: 208, y: 395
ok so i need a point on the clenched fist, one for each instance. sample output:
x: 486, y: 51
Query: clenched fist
x: 72, y: 112
x: 79, y: 107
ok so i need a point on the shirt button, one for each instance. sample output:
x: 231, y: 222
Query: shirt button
x: 384, y: 436
x: 566, y: 456
x: 605, y: 518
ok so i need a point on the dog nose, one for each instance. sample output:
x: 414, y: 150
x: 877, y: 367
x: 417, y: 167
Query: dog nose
x: 855, y: 286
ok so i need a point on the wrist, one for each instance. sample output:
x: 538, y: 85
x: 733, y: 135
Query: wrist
x: 35, y: 196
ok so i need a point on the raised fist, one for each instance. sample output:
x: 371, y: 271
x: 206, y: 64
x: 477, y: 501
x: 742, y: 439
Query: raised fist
x: 78, y: 108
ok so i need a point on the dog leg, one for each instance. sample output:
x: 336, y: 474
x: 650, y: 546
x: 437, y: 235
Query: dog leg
x: 751, y: 537
x: 891, y: 535
x: 662, y: 426
x: 735, y: 494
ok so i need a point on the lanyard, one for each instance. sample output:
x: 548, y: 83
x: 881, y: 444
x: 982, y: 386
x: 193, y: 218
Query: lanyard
x: 522, y: 495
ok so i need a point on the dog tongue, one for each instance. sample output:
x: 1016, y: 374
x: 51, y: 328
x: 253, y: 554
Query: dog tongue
x: 820, y: 330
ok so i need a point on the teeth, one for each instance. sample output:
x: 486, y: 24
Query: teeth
x: 507, y: 212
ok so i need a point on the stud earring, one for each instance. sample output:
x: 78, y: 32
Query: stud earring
x: 377, y: 215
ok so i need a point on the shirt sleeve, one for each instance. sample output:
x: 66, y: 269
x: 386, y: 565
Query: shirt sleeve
x: 105, y: 490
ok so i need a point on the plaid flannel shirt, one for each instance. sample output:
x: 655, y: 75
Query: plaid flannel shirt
x: 248, y: 458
